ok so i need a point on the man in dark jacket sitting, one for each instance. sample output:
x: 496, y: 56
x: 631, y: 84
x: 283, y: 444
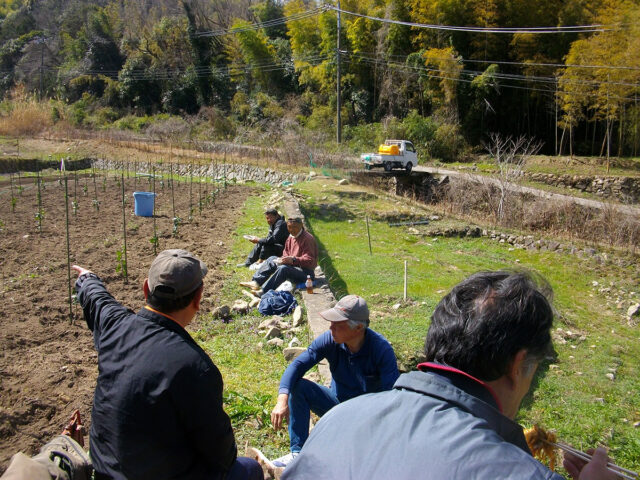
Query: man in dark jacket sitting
x: 157, y: 409
x: 453, y: 418
x: 271, y: 245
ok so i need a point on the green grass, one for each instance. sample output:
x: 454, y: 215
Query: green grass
x: 574, y: 396
x: 251, y: 369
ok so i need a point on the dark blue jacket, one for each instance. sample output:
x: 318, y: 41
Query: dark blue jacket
x: 277, y: 235
x: 157, y: 410
x: 373, y: 368
x: 433, y: 425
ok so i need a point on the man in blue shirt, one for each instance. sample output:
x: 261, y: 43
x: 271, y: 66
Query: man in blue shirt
x: 361, y: 361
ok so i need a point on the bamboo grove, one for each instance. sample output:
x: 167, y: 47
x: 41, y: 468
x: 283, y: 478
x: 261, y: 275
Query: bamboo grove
x: 447, y: 73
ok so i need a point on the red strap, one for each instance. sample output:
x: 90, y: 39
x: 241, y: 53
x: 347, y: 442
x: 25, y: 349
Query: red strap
x: 436, y: 366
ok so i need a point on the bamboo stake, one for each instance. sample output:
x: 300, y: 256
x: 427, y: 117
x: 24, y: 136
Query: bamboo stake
x: 155, y: 231
x: 124, y: 232
x: 66, y: 207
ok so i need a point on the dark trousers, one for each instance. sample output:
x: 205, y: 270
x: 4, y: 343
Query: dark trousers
x: 270, y: 274
x: 262, y: 252
x: 243, y: 468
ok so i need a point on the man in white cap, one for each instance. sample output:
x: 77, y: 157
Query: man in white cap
x: 361, y: 361
x: 157, y: 409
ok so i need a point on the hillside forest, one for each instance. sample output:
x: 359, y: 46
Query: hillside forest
x: 443, y: 73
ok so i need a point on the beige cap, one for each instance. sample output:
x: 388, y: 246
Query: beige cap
x: 351, y: 307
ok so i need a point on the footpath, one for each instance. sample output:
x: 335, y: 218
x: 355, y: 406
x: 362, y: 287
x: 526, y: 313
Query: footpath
x: 320, y: 300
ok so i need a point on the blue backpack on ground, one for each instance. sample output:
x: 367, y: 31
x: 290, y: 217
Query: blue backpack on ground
x: 276, y: 303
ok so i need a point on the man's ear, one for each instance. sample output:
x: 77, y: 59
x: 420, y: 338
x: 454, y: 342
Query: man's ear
x: 516, y: 370
x: 145, y: 289
x: 196, y: 300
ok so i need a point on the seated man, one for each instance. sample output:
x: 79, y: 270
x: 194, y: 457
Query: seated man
x: 361, y: 361
x: 453, y: 418
x: 63, y: 458
x: 298, y: 260
x: 273, y: 243
x: 157, y: 409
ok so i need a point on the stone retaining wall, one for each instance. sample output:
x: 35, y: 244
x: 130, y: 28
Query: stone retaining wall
x: 530, y: 242
x: 229, y: 170
x: 13, y: 165
x: 420, y: 186
x: 622, y: 189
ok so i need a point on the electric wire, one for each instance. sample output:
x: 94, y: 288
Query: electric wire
x: 260, y: 25
x: 536, y: 30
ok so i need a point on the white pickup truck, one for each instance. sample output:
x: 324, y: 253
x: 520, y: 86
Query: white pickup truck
x: 392, y: 154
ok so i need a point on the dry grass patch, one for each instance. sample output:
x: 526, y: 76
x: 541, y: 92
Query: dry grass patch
x: 24, y: 115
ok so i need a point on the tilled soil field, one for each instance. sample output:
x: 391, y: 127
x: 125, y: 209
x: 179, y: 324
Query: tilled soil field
x: 48, y: 366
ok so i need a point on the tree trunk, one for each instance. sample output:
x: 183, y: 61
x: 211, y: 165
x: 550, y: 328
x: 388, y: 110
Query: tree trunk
x: 561, y: 141
x: 620, y: 131
x: 571, y: 141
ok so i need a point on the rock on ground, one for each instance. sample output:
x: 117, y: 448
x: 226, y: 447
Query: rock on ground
x: 290, y: 353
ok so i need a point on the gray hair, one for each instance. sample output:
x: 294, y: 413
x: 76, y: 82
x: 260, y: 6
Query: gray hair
x: 271, y: 211
x: 295, y: 220
x: 353, y: 324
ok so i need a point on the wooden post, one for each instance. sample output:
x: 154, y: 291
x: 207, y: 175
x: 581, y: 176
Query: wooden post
x: 404, y: 296
x: 368, y: 234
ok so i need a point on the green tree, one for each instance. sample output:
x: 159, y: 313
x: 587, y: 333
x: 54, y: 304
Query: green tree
x: 257, y: 57
x: 602, y: 94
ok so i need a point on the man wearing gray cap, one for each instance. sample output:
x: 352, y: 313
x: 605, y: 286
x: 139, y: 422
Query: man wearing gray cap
x: 361, y: 361
x: 157, y: 409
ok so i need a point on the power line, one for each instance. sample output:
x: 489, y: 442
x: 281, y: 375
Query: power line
x: 434, y: 73
x: 508, y: 76
x: 564, y: 29
x: 260, y: 25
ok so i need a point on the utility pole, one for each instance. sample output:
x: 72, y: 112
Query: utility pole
x: 338, y: 100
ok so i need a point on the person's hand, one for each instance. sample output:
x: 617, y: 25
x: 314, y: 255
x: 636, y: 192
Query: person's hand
x: 80, y: 270
x: 75, y: 428
x: 281, y: 411
x: 287, y: 260
x: 254, y: 240
x: 595, y: 469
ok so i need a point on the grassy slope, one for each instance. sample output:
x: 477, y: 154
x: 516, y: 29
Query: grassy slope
x: 250, y: 368
x: 573, y: 396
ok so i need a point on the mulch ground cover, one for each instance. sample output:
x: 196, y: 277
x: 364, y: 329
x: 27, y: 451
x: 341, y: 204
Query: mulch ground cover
x: 48, y: 365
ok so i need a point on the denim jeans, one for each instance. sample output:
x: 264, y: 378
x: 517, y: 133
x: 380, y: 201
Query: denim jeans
x: 271, y: 275
x: 306, y: 397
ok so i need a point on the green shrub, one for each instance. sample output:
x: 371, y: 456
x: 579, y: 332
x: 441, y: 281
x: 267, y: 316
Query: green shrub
x: 240, y: 106
x: 79, y: 110
x: 137, y: 124
x: 105, y: 116
x: 322, y: 118
x: 420, y: 130
x: 267, y: 107
x: 362, y: 138
x: 94, y: 85
x: 448, y: 143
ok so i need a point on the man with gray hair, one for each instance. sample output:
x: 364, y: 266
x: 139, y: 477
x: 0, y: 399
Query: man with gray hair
x: 298, y: 261
x: 361, y: 361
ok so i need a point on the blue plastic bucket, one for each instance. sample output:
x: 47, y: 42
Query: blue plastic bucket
x: 144, y: 203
